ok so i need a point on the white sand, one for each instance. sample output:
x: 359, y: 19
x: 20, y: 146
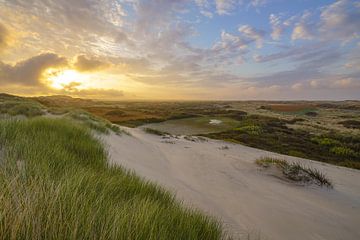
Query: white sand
x: 215, y: 121
x: 227, y: 184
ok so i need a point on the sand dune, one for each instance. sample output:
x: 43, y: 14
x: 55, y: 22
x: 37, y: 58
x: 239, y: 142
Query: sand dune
x: 226, y: 183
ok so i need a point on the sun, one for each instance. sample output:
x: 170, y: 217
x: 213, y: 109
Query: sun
x: 62, y: 79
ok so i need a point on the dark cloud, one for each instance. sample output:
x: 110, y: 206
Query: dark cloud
x: 85, y: 64
x: 29, y: 71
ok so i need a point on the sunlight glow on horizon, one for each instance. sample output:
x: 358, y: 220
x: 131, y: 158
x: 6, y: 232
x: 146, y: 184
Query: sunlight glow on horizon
x: 62, y: 79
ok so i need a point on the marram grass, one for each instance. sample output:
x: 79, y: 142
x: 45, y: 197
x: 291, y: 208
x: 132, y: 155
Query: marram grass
x: 56, y: 184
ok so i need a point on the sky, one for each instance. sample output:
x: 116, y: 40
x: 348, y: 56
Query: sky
x: 181, y: 49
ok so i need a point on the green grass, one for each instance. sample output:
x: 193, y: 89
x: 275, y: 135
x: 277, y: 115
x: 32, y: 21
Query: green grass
x: 274, y: 134
x: 95, y: 123
x: 250, y: 129
x: 56, y: 184
x: 58, y: 110
x: 15, y: 106
x: 197, y: 125
x: 296, y: 171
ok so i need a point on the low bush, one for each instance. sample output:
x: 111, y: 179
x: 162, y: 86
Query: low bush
x: 343, y: 151
x: 351, y: 124
x: 250, y: 129
x: 325, y: 141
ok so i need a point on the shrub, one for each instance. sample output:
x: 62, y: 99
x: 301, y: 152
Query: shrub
x: 325, y: 141
x: 343, y: 151
x: 311, y: 114
x: 351, y: 124
x: 250, y: 129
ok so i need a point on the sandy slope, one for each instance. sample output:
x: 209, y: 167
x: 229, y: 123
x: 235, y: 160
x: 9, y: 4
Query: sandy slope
x: 227, y: 184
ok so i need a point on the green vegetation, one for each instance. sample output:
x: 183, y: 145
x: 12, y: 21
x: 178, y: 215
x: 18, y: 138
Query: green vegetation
x: 197, y: 125
x: 273, y: 134
x: 93, y: 122
x: 323, y: 131
x: 343, y: 151
x: 250, y: 129
x: 295, y: 109
x: 296, y: 172
x: 56, y: 184
x: 351, y: 124
x: 58, y: 110
x: 325, y: 141
x: 15, y: 106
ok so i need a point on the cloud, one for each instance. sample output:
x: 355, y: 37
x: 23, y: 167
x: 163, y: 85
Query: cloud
x: 85, y: 64
x: 279, y: 26
x: 258, y: 3
x: 230, y: 42
x: 341, y: 20
x: 81, y: 15
x: 204, y: 6
x: 276, y: 25
x: 156, y: 14
x: 29, y: 71
x: 224, y: 7
x: 76, y: 25
x: 346, y: 83
x: 307, y: 63
x: 303, y: 29
x: 252, y: 33
x: 300, y: 53
x: 297, y: 86
x: 4, y: 35
x: 340, y: 81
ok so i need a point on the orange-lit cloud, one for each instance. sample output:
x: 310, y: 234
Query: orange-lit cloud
x: 28, y: 72
x: 85, y: 64
x: 3, y: 37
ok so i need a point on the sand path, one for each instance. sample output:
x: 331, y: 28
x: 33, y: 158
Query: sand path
x: 226, y: 183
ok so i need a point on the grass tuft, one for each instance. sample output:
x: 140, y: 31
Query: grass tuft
x: 296, y: 171
x: 95, y: 123
x: 19, y: 106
